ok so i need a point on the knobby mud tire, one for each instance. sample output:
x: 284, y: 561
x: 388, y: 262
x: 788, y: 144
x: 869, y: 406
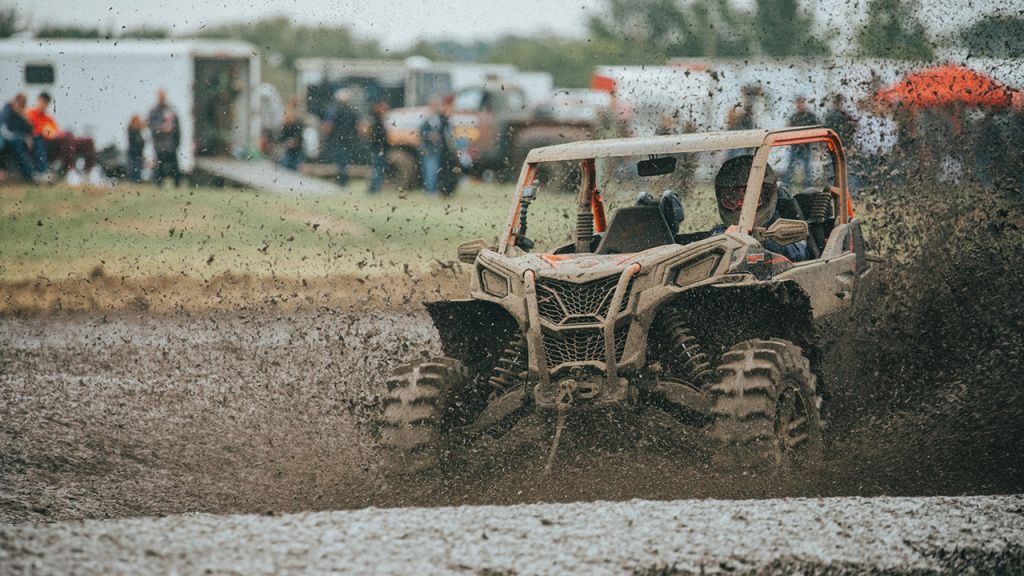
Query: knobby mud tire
x: 766, y: 409
x: 414, y: 426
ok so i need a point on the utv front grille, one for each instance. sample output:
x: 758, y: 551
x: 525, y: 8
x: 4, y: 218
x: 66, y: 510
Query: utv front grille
x: 567, y: 303
x: 582, y: 345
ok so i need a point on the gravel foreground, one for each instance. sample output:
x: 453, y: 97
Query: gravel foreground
x: 982, y: 534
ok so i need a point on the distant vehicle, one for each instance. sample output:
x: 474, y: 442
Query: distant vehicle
x: 98, y: 85
x: 408, y: 86
x: 493, y: 125
x: 410, y: 82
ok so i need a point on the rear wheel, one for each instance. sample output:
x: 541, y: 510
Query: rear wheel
x: 415, y: 426
x: 766, y: 408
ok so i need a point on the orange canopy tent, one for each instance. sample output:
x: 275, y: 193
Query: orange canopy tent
x: 948, y: 84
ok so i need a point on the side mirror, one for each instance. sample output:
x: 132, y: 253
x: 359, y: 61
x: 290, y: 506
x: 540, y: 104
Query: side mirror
x: 468, y: 251
x: 785, y: 232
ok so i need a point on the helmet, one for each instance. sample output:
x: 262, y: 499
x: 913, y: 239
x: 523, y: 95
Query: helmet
x: 731, y: 187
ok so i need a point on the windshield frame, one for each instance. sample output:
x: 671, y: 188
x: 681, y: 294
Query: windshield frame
x: 589, y: 198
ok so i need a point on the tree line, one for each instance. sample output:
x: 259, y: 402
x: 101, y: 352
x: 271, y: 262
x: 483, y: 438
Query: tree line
x: 626, y: 32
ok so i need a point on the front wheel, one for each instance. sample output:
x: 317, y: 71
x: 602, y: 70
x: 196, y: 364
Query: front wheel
x: 766, y: 409
x: 415, y: 425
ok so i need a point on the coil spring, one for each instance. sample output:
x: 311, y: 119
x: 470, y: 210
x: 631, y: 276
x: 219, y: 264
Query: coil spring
x: 821, y: 209
x: 687, y: 358
x: 584, y: 231
x: 512, y: 362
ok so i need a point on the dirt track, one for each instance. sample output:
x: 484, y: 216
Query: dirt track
x: 834, y: 536
x: 129, y: 415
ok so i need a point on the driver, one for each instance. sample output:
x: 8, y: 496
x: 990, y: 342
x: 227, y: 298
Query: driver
x: 730, y: 189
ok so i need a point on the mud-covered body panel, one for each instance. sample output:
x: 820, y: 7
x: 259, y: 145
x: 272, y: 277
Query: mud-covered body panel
x: 588, y: 318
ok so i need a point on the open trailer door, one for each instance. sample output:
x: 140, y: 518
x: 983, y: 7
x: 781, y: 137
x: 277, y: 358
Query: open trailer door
x: 222, y: 106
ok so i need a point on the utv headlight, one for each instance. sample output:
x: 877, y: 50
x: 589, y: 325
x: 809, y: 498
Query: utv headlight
x: 695, y: 270
x: 493, y: 283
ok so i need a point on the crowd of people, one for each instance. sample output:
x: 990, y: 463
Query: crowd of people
x: 31, y: 139
x: 40, y: 151
x: 345, y: 133
x: 893, y: 142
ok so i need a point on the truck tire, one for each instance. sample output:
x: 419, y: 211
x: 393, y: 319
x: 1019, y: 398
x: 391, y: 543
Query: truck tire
x: 414, y: 424
x: 765, y: 409
x: 403, y: 168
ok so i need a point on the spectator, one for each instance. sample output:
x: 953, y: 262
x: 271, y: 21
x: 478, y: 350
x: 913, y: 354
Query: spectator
x: 166, y: 132
x: 291, y: 138
x: 667, y: 126
x: 840, y: 121
x: 378, y: 146
x: 50, y: 142
x: 875, y: 138
x: 340, y: 133
x: 136, y: 146
x: 800, y: 155
x: 988, y: 146
x: 16, y: 136
x: 432, y: 146
x: 1014, y: 136
x: 448, y: 178
x: 741, y: 117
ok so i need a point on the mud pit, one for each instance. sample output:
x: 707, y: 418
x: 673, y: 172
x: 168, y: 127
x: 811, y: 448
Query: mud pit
x: 129, y: 415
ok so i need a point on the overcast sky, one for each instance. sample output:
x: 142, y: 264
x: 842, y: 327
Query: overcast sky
x: 398, y: 23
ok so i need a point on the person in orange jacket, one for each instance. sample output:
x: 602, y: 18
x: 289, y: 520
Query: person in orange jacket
x: 49, y: 142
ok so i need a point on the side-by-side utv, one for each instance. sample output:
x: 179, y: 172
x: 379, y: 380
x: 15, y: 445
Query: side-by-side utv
x: 713, y: 327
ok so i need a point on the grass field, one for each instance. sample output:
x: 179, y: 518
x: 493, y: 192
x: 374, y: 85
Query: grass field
x: 59, y: 232
x: 64, y: 247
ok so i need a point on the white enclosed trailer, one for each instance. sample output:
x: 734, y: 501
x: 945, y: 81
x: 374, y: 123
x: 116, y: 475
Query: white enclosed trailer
x: 98, y: 85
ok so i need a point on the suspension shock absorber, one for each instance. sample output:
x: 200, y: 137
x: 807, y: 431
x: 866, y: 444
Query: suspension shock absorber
x: 510, y: 365
x: 686, y: 358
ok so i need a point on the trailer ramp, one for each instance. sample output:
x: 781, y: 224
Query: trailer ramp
x: 263, y: 175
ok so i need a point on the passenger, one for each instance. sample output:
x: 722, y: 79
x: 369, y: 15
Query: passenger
x: 49, y: 142
x: 730, y: 189
x: 166, y: 132
x: 16, y: 136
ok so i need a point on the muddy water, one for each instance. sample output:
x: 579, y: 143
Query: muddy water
x: 128, y: 415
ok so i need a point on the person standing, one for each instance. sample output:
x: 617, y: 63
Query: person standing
x: 136, y: 147
x: 291, y: 137
x: 166, y: 131
x: 378, y: 146
x: 432, y: 146
x: 840, y: 121
x: 800, y: 155
x: 340, y: 133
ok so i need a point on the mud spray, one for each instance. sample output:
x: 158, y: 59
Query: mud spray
x: 256, y: 410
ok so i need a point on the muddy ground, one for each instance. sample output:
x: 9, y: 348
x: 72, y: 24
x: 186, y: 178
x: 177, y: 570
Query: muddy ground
x: 128, y: 414
x: 150, y: 411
